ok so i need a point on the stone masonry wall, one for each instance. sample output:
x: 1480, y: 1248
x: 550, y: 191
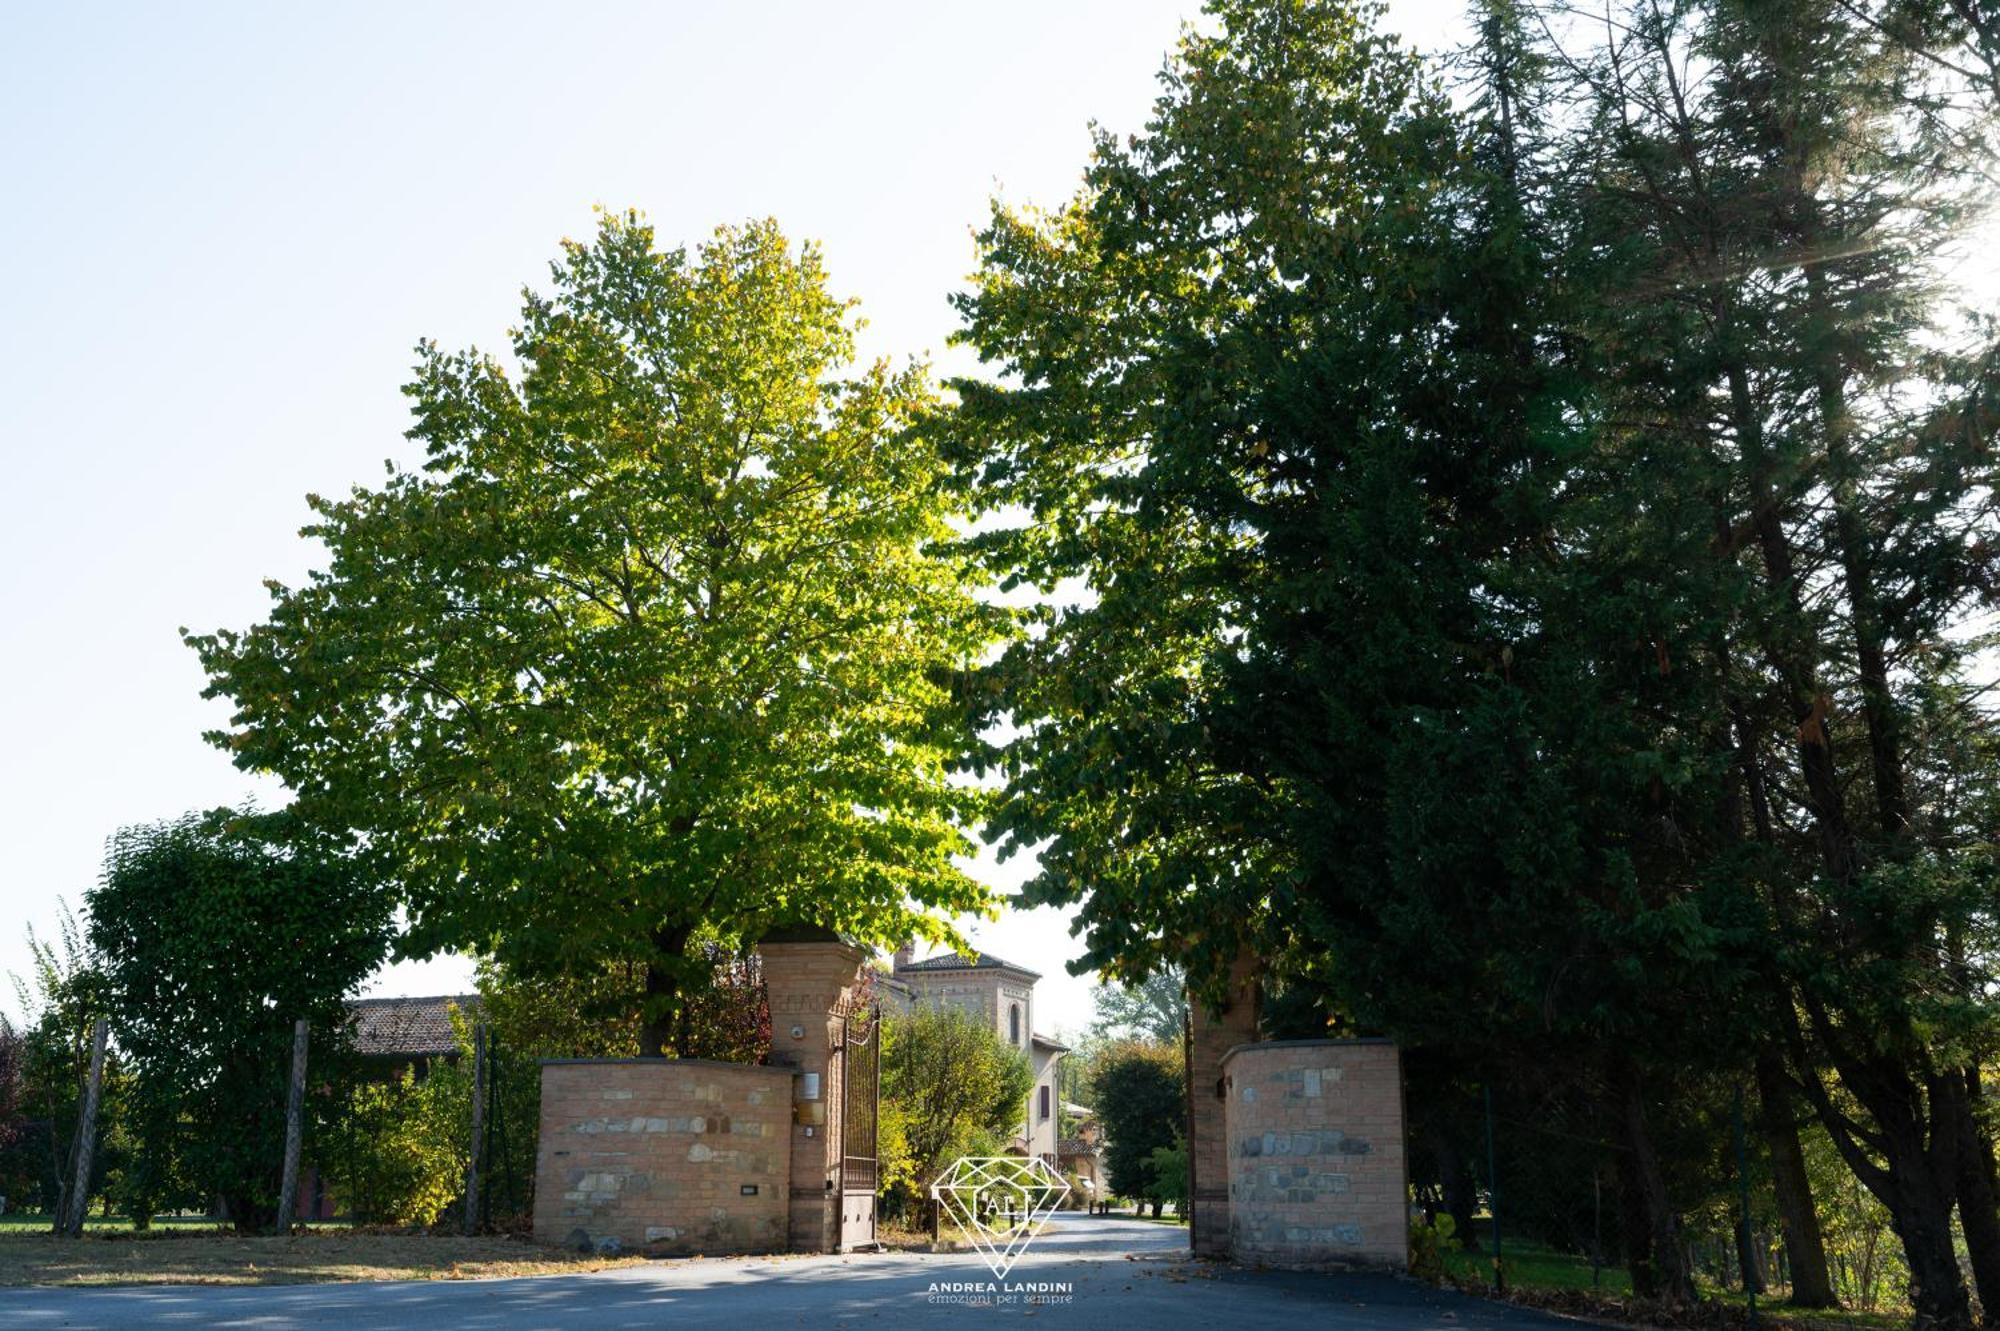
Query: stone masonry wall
x: 1316, y: 1163
x: 667, y: 1156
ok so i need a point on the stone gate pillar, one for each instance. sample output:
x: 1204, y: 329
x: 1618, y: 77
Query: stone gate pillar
x: 1212, y: 1035
x: 812, y: 978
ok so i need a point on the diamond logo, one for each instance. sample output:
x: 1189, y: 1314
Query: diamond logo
x: 1001, y: 1202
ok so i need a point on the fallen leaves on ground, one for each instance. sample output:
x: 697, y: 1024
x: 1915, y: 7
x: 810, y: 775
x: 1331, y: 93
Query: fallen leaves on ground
x: 232, y: 1259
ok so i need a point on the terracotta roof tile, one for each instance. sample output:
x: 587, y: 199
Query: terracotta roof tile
x: 408, y: 1027
x: 952, y: 961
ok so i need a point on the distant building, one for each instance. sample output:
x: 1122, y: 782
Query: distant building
x: 390, y: 1035
x: 397, y: 1033
x: 999, y: 994
x: 1081, y: 1154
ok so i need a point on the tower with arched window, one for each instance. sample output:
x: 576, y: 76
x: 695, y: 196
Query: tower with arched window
x: 1000, y: 994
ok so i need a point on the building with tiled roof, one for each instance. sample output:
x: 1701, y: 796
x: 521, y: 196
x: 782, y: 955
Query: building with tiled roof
x: 1001, y: 994
x: 952, y: 961
x: 409, y: 1030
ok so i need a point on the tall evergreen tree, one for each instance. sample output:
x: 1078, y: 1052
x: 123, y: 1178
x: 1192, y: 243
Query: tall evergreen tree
x: 1523, y: 547
x: 1783, y: 204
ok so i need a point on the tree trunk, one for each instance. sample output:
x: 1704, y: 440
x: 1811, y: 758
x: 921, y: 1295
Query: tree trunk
x: 1978, y: 1199
x: 1461, y: 1192
x: 1923, y: 1222
x: 1798, y: 1217
x: 1918, y: 1173
x: 1746, y: 1257
x: 1878, y: 704
x: 1664, y: 1260
x: 295, y: 1102
x: 1635, y: 1230
x: 658, y: 1030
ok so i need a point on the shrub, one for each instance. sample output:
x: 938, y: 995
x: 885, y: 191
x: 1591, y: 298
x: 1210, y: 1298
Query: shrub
x: 400, y: 1154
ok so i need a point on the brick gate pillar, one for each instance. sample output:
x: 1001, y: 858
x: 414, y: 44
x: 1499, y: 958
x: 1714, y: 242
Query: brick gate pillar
x: 1211, y: 1036
x: 812, y: 977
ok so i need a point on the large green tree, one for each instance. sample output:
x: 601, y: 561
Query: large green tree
x: 1189, y: 351
x: 1779, y: 314
x: 654, y: 647
x: 215, y: 933
x: 1153, y: 1008
x: 1528, y: 550
x: 1139, y: 1091
x: 952, y: 1085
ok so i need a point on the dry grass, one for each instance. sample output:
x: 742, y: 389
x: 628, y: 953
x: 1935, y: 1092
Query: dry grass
x: 229, y: 1259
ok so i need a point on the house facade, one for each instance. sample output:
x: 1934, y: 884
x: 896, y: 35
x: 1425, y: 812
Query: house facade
x: 1000, y: 994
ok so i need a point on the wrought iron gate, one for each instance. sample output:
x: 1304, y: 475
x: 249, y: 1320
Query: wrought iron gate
x: 860, y: 1102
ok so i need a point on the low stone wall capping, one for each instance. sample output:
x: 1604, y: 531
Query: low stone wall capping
x: 665, y: 1156
x: 657, y: 1062
x: 1314, y: 1139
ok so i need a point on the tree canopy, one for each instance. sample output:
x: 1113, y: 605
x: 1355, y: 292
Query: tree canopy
x: 1515, y: 560
x: 215, y: 933
x: 657, y: 646
x: 952, y: 1087
x: 1138, y: 1092
x: 1153, y: 1008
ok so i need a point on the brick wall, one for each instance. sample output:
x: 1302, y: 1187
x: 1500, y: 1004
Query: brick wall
x: 1214, y: 1033
x: 1314, y: 1132
x: 667, y: 1156
x: 811, y: 985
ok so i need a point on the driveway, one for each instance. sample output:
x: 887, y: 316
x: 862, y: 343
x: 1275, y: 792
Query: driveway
x: 1120, y: 1274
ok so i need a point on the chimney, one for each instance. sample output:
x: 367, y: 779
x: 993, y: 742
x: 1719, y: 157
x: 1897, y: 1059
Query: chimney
x: 905, y: 954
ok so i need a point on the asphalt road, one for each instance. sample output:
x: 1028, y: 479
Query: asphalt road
x: 1120, y: 1273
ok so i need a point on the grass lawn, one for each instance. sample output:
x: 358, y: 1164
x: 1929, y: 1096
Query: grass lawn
x: 1531, y: 1266
x: 1562, y: 1281
x: 31, y: 1256
x: 19, y: 1223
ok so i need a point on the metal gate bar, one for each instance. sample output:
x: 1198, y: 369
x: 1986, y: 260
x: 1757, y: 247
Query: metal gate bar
x: 860, y: 1111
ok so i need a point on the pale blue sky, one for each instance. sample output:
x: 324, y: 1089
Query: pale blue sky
x: 227, y: 225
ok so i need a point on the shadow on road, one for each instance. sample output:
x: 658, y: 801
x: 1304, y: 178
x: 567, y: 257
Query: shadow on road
x: 1113, y: 1273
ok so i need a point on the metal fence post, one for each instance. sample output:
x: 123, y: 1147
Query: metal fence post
x: 295, y: 1099
x: 475, y: 1161
x: 1493, y: 1195
x: 1596, y: 1224
x: 498, y: 1147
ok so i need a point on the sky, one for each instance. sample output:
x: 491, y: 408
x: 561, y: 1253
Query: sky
x: 228, y: 225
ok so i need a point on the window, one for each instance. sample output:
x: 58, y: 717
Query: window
x: 1014, y: 1022
x: 1045, y: 1104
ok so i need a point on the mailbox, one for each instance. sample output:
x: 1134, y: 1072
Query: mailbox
x: 808, y: 1107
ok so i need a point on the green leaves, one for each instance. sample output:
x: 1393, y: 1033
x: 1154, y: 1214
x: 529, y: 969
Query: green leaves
x: 1136, y: 1089
x: 1258, y: 414
x: 216, y: 932
x: 659, y: 641
x: 952, y: 1083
